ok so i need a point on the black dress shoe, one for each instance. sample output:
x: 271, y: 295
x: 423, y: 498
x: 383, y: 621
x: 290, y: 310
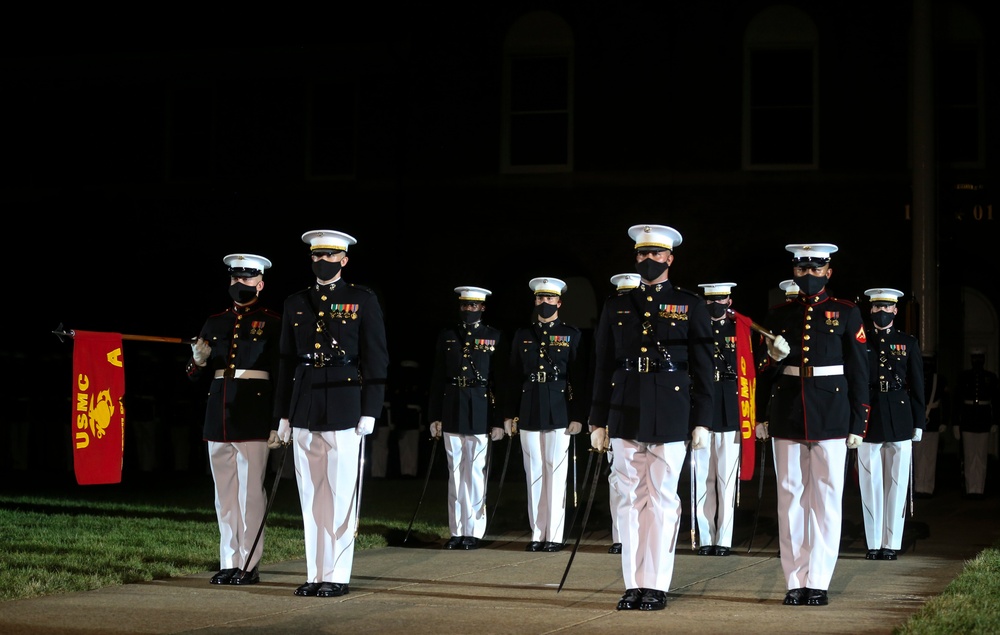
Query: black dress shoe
x: 552, y: 547
x: 705, y: 550
x: 796, y: 597
x: 887, y: 554
x: 332, y: 590
x: 631, y: 600
x: 308, y: 589
x: 223, y: 576
x: 722, y: 551
x: 251, y: 577
x: 816, y: 597
x: 453, y: 542
x: 469, y: 543
x: 873, y: 554
x: 615, y: 548
x: 535, y: 545
x: 653, y: 600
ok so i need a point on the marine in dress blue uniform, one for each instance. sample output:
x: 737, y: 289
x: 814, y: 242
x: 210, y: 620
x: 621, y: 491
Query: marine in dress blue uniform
x: 716, y: 467
x: 816, y: 408
x: 543, y: 369
x: 461, y: 410
x: 896, y: 422
x: 652, y: 392
x: 237, y: 354
x: 978, y: 390
x: 331, y: 386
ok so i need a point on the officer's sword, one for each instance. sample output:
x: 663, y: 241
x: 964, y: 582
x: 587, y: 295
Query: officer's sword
x: 694, y: 511
x: 573, y: 443
x: 267, y: 510
x: 503, y: 473
x: 576, y: 510
x: 911, y: 483
x: 357, y: 486
x: 586, y: 513
x: 435, y: 441
x: 760, y: 492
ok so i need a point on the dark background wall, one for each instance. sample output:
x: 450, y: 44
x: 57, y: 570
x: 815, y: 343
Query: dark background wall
x: 133, y: 168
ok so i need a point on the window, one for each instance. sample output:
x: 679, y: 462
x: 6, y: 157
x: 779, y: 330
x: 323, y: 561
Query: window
x: 331, y: 135
x: 537, y: 111
x: 958, y: 90
x: 191, y: 132
x: 780, y: 113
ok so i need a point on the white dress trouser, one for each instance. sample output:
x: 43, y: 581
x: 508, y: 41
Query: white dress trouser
x: 925, y: 454
x: 238, y: 470
x: 884, y: 475
x: 466, y: 483
x: 326, y: 468
x: 975, y: 447
x: 715, y: 476
x: 649, y: 515
x: 546, y: 465
x: 614, y: 497
x: 810, y: 479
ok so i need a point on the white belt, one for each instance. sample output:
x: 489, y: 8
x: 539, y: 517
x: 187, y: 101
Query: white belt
x: 813, y: 371
x: 243, y: 373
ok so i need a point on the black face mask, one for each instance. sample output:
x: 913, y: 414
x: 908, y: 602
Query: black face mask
x: 882, y: 319
x: 717, y: 310
x: 545, y: 311
x: 650, y: 269
x: 242, y: 293
x: 325, y: 270
x: 810, y: 285
x: 470, y: 317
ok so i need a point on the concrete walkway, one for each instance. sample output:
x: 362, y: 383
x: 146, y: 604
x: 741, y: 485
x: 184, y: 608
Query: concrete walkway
x: 423, y: 589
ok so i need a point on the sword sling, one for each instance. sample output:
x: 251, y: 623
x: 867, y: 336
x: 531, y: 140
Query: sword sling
x: 435, y: 441
x: 586, y: 515
x: 267, y: 510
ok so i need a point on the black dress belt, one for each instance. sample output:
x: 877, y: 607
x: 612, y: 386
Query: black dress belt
x: 721, y: 376
x: 885, y: 386
x: 320, y: 360
x: 462, y: 382
x: 647, y: 365
x: 541, y: 377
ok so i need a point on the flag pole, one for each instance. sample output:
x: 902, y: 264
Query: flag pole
x: 60, y: 332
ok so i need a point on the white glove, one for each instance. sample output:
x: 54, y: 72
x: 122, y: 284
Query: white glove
x: 778, y: 348
x: 508, y: 427
x: 200, y: 351
x: 942, y: 429
x: 599, y: 439
x: 761, y: 431
x: 281, y: 436
x: 918, y: 434
x: 955, y: 430
x: 853, y: 441
x: 574, y: 427
x: 699, y: 438
x: 435, y: 428
x: 496, y: 433
x: 366, y: 425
